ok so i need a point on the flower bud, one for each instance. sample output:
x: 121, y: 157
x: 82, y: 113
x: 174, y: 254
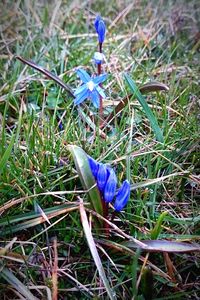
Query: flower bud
x: 122, y: 196
x: 102, y: 176
x: 110, y: 187
x: 100, y: 28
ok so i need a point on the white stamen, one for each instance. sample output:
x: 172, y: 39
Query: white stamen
x: 90, y: 85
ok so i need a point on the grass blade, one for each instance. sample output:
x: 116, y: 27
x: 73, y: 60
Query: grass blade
x: 94, y: 251
x: 6, y: 154
x: 18, y: 285
x: 148, y: 182
x: 34, y: 219
x: 146, y: 108
x: 157, y: 228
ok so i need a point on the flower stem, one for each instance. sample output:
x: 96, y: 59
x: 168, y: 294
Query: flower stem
x: 113, y: 216
x: 105, y: 215
x: 101, y: 101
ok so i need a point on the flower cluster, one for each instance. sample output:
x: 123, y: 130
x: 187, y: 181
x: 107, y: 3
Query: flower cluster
x: 107, y: 184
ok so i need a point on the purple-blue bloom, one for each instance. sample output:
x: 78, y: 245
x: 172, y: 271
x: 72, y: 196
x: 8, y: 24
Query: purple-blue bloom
x: 110, y: 187
x: 94, y: 166
x: 102, y: 176
x: 107, y: 184
x: 90, y: 88
x: 98, y: 57
x: 100, y: 28
x: 122, y: 196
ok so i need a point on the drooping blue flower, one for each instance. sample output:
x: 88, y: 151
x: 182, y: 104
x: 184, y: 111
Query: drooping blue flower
x: 107, y: 184
x: 90, y: 89
x: 100, y: 28
x: 122, y: 196
x: 98, y: 57
x: 102, y: 176
x: 94, y: 166
x: 110, y: 187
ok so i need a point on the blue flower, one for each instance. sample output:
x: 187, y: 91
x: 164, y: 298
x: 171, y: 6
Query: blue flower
x: 100, y: 28
x: 90, y: 88
x: 110, y: 187
x: 107, y: 184
x: 94, y: 166
x: 98, y: 57
x: 122, y: 196
x: 102, y: 176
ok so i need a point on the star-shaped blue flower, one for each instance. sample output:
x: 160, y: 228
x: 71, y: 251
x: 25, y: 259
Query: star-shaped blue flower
x: 90, y: 89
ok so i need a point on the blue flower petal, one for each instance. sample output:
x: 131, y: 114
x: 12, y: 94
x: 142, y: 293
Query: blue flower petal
x: 96, y: 22
x: 80, y: 89
x: 99, y: 79
x: 102, y: 176
x: 110, y: 187
x: 95, y: 98
x: 100, y: 91
x: 122, y: 196
x: 81, y: 97
x: 94, y: 166
x: 84, y: 76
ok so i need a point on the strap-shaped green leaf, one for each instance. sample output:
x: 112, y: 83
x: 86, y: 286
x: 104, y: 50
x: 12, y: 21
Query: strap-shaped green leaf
x: 146, y: 108
x: 86, y: 177
x: 165, y: 246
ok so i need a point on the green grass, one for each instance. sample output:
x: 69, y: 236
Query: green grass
x: 149, y: 41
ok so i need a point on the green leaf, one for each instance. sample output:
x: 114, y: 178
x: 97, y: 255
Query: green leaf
x: 164, y: 246
x: 86, y: 177
x: 46, y: 73
x: 146, y: 108
x: 157, y: 229
x: 94, y: 252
